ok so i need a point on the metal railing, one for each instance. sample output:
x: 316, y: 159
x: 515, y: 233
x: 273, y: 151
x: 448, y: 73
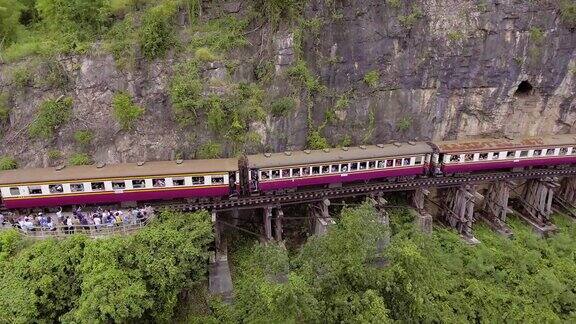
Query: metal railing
x: 93, y: 231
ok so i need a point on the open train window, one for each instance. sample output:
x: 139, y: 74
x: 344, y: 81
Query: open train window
x: 454, y: 158
x: 35, y: 190
x: 77, y: 187
x: 362, y: 165
x: 305, y: 171
x: 220, y: 180
x: 418, y: 160
x: 179, y: 182
x: 138, y: 184
x: 159, y: 183
x: 334, y: 168
x: 56, y: 188
x: 15, y: 191
x: 483, y: 156
x: 296, y: 172
x: 510, y: 154
x: 275, y: 174
x: 118, y: 185
x: 550, y: 152
x: 381, y: 164
x: 286, y: 173
x: 389, y: 163
x: 264, y: 175
x: 316, y: 170
x: 344, y: 167
x: 537, y: 153
x: 406, y: 161
x: 468, y: 157
x: 325, y: 169
x: 354, y: 166
x: 398, y: 162
x: 371, y: 164
x: 197, y: 180
x: 523, y: 153
x: 563, y: 151
x: 97, y: 186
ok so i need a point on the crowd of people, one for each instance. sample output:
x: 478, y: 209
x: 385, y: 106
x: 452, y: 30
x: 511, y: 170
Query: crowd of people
x: 78, y: 219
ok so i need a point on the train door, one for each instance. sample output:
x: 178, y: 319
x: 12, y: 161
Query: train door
x: 253, y: 177
x: 233, y: 183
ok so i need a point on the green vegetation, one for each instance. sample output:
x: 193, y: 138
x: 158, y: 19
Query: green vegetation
x: 9, y: 19
x: 121, y: 279
x: 372, y: 78
x: 300, y: 73
x: 4, y: 108
x: 315, y: 140
x: 279, y: 10
x: 209, y: 150
x: 186, y: 93
x: 536, y: 35
x: 54, y: 155
x: 204, y: 54
x: 404, y: 123
x: 83, y: 138
x: 342, y: 103
x: 455, y: 36
x: 80, y: 159
x: 7, y: 163
x: 396, y: 4
x: 121, y: 41
x: 52, y: 74
x: 51, y: 115
x: 409, y: 20
x: 125, y: 111
x: 21, y: 76
x: 156, y: 35
x: 282, y: 106
x: 219, y: 35
x: 568, y: 12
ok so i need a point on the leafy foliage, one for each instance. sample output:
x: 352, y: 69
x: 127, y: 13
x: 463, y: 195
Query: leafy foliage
x: 21, y: 76
x: 316, y: 141
x: 276, y: 10
x: 204, y: 54
x: 83, y: 138
x: 186, y: 93
x: 568, y: 12
x: 300, y: 73
x: 80, y: 159
x: 51, y: 115
x: 156, y: 35
x: 409, y: 20
x: 8, y: 163
x: 536, y: 35
x: 282, y: 106
x: 209, y: 150
x: 121, y: 42
x: 125, y: 111
x: 4, y: 108
x: 10, y: 11
x: 372, y: 78
x: 404, y: 123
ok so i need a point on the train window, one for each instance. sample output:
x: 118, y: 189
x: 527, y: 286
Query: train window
x: 418, y: 160
x: 220, y: 180
x: 296, y: 172
x: 362, y: 165
x: 563, y: 151
x: 99, y: 186
x: 389, y: 163
x: 178, y: 182
x: 118, y: 185
x: 35, y: 190
x: 56, y: 188
x: 14, y: 191
x: 159, y: 183
x: 335, y: 168
x: 406, y: 161
x: 315, y: 170
x: 398, y: 162
x: 523, y: 153
x: 381, y: 164
x: 275, y: 174
x: 537, y: 153
x: 371, y: 164
x: 325, y: 169
x: 344, y: 167
x: 354, y: 166
x: 286, y: 173
x: 77, y: 187
x: 510, y: 154
x: 139, y: 183
x: 550, y: 152
x: 264, y: 175
x: 483, y: 156
x: 199, y: 180
x: 454, y: 158
x: 305, y: 171
x: 469, y: 157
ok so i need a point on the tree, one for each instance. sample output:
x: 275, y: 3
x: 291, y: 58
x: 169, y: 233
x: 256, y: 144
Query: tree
x: 9, y: 21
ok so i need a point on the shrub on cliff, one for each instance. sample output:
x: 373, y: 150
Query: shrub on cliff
x: 51, y: 115
x: 568, y: 12
x: 316, y: 141
x: 80, y: 159
x: 282, y: 106
x: 9, y: 17
x: 372, y: 78
x: 125, y: 111
x: 4, y: 108
x: 156, y: 35
x: 8, y: 163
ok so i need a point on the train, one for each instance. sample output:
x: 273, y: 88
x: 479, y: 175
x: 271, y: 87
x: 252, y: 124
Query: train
x: 277, y: 173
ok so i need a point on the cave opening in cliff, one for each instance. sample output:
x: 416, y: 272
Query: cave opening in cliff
x: 524, y: 89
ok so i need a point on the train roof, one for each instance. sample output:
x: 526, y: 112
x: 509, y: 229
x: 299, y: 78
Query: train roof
x: 122, y: 170
x: 269, y: 160
x: 475, y: 145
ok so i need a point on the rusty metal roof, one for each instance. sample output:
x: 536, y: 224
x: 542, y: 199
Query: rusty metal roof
x: 269, y: 160
x: 489, y: 145
x: 123, y: 170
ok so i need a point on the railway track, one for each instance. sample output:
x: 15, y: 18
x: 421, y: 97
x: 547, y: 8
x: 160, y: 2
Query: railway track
x: 299, y: 197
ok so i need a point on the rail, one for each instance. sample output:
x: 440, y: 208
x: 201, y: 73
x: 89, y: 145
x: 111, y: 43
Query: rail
x: 93, y: 231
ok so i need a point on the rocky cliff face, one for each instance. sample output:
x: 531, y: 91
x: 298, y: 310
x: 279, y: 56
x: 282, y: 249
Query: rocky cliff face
x: 386, y: 70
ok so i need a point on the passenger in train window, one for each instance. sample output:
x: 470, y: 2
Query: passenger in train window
x: 275, y: 174
x: 264, y: 175
x: 306, y: 171
x: 158, y: 183
x: 286, y: 173
x: 510, y: 154
x: 469, y: 157
x: 56, y: 188
x: 398, y: 162
x: 334, y: 168
x: 97, y: 186
x: 564, y: 151
x: 483, y: 156
x: 354, y: 166
x: 454, y: 158
x: 537, y: 153
x: 137, y: 184
x: 325, y: 169
x: 389, y: 163
x: 550, y: 151
x: 77, y: 187
x: 371, y: 164
x: 118, y: 185
x: 381, y: 164
x: 316, y: 170
x: 406, y: 161
x: 220, y: 180
x: 361, y: 165
x: 296, y: 172
x: 344, y: 167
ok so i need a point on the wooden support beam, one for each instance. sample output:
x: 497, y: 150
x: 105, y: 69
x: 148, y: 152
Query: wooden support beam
x: 268, y: 223
x: 278, y: 224
x: 459, y: 210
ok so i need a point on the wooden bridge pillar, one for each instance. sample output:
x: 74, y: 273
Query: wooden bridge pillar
x: 219, y: 276
x: 459, y: 210
x: 320, y: 217
x: 568, y: 190
x: 383, y: 218
x: 496, y: 207
x: 423, y: 219
x: 536, y: 204
x: 268, y: 223
x: 278, y: 224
